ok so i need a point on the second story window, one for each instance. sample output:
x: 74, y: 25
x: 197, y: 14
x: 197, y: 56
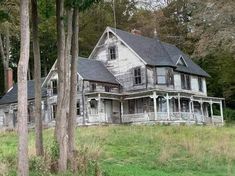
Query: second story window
x: 161, y: 75
x: 54, y: 87
x: 107, y: 88
x: 185, y: 82
x: 200, y: 85
x: 112, y: 53
x: 164, y: 76
x: 92, y: 87
x: 137, y: 76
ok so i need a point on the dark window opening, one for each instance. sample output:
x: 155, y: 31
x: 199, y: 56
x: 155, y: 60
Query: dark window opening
x: 54, y: 87
x: 107, y: 88
x: 200, y: 85
x: 112, y: 53
x: 93, y: 87
x: 185, y: 82
x: 54, y: 108
x: 93, y: 103
x: 181, y: 62
x: 137, y: 76
x: 78, y: 108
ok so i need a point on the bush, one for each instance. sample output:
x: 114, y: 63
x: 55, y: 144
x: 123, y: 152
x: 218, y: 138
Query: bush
x: 38, y: 166
x: 229, y: 115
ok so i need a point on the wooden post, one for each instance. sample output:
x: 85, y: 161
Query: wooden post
x: 201, y: 104
x: 211, y: 103
x: 221, y: 112
x: 190, y: 110
x: 121, y: 110
x: 179, y: 105
x: 168, y: 106
x: 99, y: 101
x: 155, y: 105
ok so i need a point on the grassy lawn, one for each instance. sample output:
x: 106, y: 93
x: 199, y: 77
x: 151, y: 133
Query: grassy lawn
x: 143, y: 150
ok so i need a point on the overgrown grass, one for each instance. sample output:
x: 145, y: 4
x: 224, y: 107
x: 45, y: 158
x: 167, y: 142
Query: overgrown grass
x: 138, y: 150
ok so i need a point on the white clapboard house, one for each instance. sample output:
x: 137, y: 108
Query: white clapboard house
x: 129, y: 78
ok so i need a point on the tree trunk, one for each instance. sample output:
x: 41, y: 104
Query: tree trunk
x: 73, y: 91
x: 23, y: 168
x: 37, y: 79
x: 61, y: 119
x: 5, y: 56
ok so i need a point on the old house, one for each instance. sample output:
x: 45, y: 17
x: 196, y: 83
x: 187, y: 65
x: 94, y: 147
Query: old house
x: 131, y: 78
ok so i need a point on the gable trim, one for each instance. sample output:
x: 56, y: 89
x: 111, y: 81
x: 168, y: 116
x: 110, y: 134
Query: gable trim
x: 114, y: 33
x: 182, y: 58
x: 49, y: 74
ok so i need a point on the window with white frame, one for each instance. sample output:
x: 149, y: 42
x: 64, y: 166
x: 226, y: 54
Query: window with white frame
x: 164, y: 76
x: 185, y: 81
x: 112, y: 52
x: 200, y: 85
x: 137, y: 76
x: 161, y: 75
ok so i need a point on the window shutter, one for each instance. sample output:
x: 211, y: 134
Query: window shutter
x: 142, y: 73
x: 133, y: 76
x: 116, y: 50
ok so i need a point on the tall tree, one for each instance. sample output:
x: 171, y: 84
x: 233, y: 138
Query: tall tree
x: 73, y: 90
x: 23, y: 168
x: 37, y: 79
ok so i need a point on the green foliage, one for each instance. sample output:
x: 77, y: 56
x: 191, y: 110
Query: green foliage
x: 220, y: 66
x: 229, y: 115
x: 54, y: 150
x: 38, y: 166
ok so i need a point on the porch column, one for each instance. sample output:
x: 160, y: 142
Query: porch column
x: 192, y: 108
x: 201, y: 105
x: 98, y: 108
x: 179, y: 105
x: 155, y: 105
x: 168, y: 106
x: 211, y: 103
x: 221, y: 112
x: 121, y: 110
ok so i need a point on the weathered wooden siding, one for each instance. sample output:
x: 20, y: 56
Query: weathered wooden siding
x: 122, y: 67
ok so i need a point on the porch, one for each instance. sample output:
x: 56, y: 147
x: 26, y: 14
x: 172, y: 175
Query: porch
x: 153, y: 106
x: 171, y: 107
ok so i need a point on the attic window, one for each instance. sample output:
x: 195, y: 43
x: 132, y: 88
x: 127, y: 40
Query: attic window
x: 181, y: 62
x: 112, y: 52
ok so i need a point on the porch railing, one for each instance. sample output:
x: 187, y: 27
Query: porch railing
x: 173, y: 117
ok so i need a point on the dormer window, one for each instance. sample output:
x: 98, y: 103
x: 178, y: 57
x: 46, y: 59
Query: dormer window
x: 181, y: 62
x: 112, y: 51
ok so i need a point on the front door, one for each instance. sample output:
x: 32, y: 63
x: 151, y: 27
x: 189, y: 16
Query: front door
x: 108, y: 110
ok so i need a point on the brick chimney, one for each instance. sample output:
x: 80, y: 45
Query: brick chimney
x: 9, y: 78
x: 136, y: 32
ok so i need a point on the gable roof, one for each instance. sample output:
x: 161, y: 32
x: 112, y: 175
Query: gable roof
x: 157, y: 53
x: 93, y: 70
x: 11, y: 95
